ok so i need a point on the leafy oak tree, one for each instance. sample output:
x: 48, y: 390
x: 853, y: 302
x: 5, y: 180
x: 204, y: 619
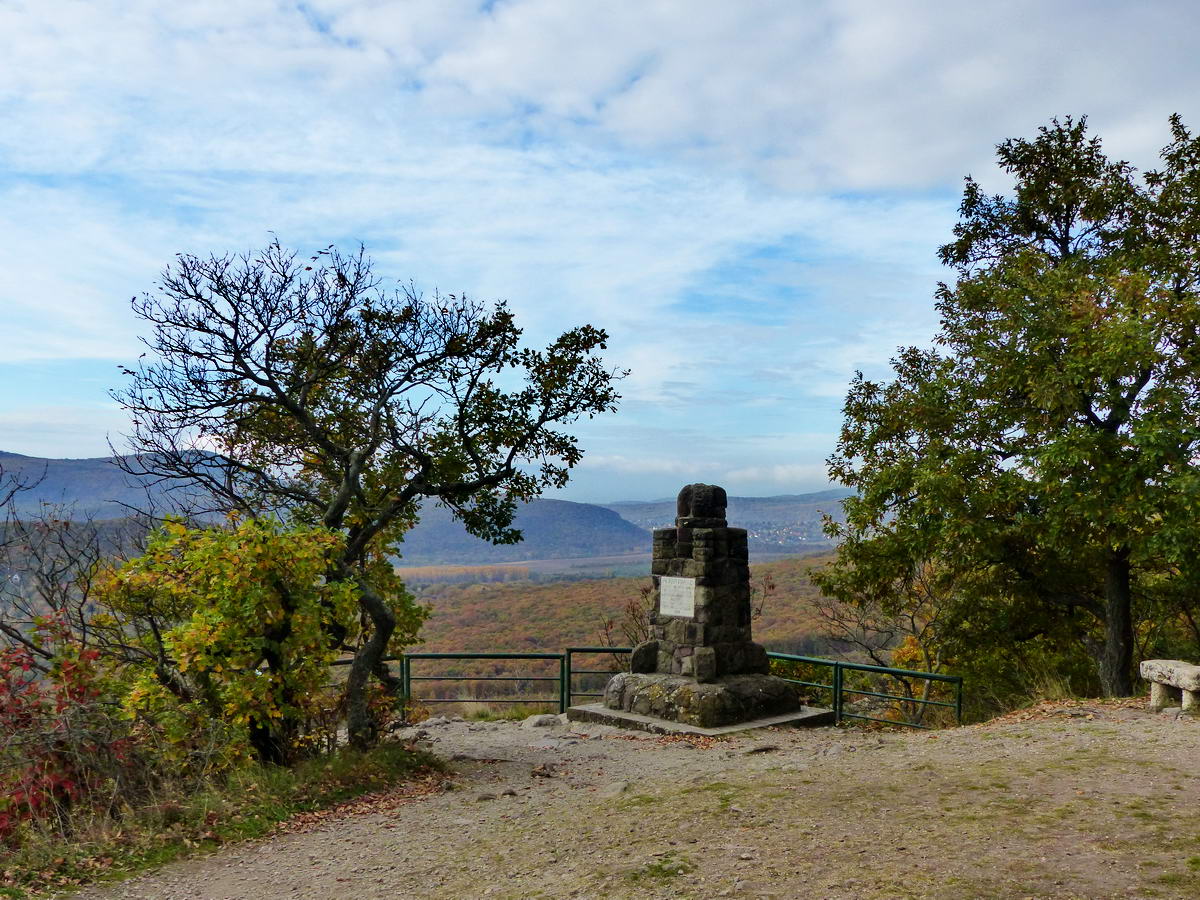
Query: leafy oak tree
x: 299, y: 387
x: 1047, y: 453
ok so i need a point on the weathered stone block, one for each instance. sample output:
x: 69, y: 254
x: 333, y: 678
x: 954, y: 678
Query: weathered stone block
x: 664, y: 541
x: 722, y: 634
x: 1162, y: 695
x: 700, y: 522
x: 726, y: 701
x: 730, y: 657
x: 644, y: 657
x: 756, y: 660
x: 738, y: 543
x: 702, y: 500
x: 705, y: 664
x: 676, y: 630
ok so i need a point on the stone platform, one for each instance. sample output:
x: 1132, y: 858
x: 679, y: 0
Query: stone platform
x: 807, y: 716
x: 725, y: 701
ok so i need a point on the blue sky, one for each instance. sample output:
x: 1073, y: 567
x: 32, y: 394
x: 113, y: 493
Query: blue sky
x: 748, y: 196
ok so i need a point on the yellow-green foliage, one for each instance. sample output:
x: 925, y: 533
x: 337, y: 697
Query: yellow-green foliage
x: 243, y: 637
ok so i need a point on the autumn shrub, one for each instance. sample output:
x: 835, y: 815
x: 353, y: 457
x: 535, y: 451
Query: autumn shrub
x: 242, y: 640
x: 247, y: 802
x: 153, y: 717
x: 63, y: 749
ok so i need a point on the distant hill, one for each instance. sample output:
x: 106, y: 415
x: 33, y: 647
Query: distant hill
x: 553, y: 529
x: 786, y: 523
x: 94, y: 488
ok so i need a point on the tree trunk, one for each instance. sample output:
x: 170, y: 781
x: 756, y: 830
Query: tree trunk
x: 1116, y: 661
x: 362, y: 729
x: 266, y: 743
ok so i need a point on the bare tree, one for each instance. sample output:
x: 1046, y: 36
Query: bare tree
x: 277, y: 385
x: 871, y: 628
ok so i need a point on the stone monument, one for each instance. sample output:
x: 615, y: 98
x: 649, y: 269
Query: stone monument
x: 700, y: 666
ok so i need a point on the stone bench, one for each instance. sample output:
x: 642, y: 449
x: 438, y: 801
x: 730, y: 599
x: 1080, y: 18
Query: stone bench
x: 1173, y: 680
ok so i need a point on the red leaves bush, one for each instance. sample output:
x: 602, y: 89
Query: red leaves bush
x: 61, y: 745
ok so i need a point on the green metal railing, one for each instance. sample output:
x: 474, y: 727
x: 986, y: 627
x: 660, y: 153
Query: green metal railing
x: 572, y: 672
x: 567, y: 673
x: 839, y: 689
x: 562, y: 679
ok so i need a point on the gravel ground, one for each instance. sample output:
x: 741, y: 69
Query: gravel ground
x: 1088, y: 800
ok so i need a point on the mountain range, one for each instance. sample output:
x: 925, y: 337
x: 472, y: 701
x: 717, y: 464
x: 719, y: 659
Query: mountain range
x: 553, y: 529
x: 784, y: 523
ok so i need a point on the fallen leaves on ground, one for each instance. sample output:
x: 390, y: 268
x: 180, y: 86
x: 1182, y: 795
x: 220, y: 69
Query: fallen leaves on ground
x: 1074, y: 709
x: 418, y: 788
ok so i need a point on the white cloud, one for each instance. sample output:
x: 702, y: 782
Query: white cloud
x: 786, y: 475
x: 61, y: 431
x: 641, y: 465
x: 748, y: 196
x: 839, y: 95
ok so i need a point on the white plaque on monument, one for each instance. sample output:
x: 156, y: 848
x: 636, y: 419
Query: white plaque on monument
x: 677, y: 596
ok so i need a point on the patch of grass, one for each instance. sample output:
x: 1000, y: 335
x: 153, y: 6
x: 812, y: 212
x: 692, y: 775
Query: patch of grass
x: 247, y: 803
x: 1175, y: 879
x: 638, y: 800
x: 664, y: 868
x: 507, y: 711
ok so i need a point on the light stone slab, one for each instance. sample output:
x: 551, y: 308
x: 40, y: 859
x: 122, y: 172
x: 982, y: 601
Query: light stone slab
x: 677, y: 596
x: 1174, y: 672
x: 1171, y: 678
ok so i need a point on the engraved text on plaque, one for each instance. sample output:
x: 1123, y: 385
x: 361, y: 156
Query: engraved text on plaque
x: 677, y: 596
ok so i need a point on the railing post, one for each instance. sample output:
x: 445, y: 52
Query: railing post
x: 570, y: 673
x: 564, y: 681
x: 958, y: 701
x: 837, y: 692
x: 406, y: 678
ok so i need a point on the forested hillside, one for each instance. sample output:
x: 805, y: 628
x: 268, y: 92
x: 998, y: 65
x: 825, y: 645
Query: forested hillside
x: 89, y: 487
x: 527, y: 616
x: 552, y: 529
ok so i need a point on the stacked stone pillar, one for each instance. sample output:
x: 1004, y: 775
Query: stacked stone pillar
x: 703, y: 559
x: 700, y: 666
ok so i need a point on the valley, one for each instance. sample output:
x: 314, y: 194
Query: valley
x: 525, y: 616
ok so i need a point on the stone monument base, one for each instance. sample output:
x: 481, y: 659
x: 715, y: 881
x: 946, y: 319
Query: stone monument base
x: 598, y: 714
x: 728, y: 700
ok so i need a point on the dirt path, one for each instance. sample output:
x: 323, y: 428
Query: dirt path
x: 1064, y: 801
